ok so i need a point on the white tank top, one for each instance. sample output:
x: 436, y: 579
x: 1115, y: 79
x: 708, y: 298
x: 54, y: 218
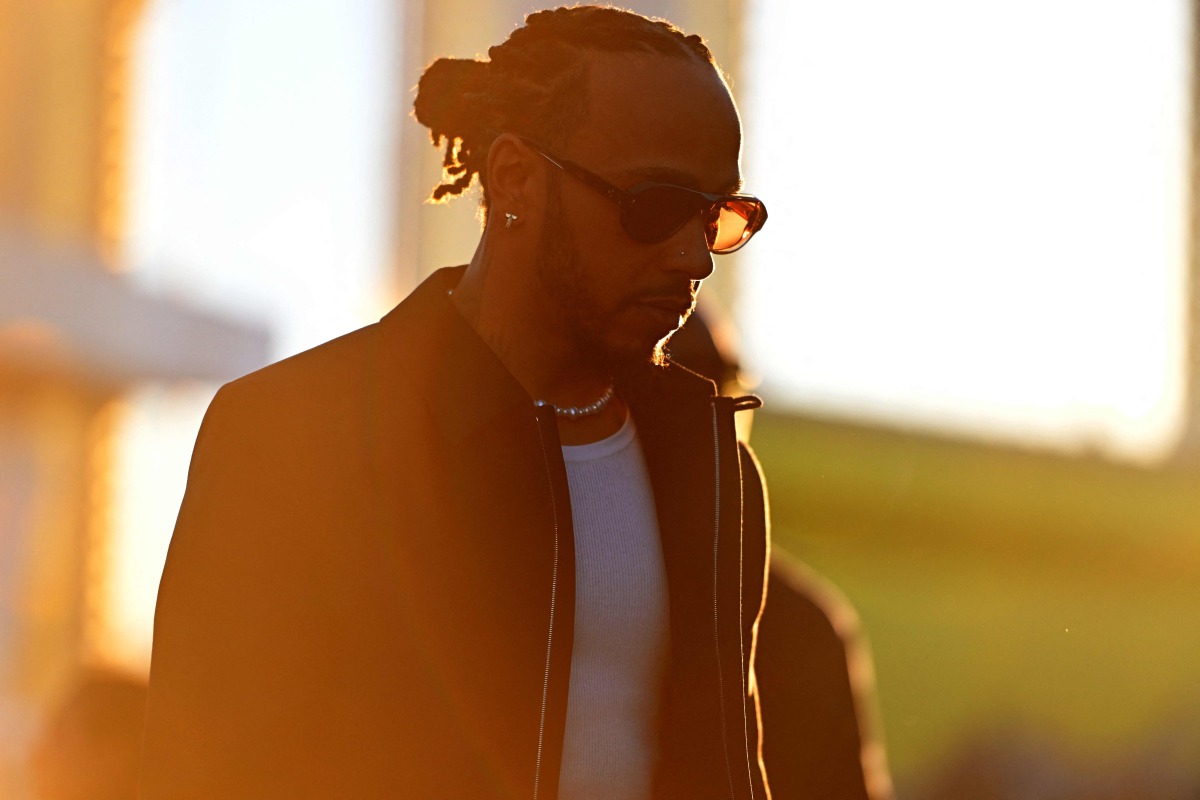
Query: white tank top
x: 621, y: 624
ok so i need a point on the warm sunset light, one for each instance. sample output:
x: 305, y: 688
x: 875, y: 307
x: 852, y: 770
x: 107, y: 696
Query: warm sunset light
x: 972, y: 317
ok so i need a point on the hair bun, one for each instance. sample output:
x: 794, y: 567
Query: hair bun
x: 442, y: 103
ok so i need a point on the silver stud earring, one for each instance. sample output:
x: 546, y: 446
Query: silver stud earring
x: 509, y: 219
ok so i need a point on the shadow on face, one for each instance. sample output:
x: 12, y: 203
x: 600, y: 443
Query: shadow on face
x: 654, y: 118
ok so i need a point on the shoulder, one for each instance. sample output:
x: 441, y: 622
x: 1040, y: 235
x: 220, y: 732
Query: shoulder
x: 325, y: 368
x: 380, y: 361
x: 320, y: 405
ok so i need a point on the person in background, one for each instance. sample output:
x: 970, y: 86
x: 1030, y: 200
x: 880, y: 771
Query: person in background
x: 89, y: 747
x: 821, y: 731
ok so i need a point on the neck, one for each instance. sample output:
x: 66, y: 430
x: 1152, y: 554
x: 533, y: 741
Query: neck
x: 505, y: 305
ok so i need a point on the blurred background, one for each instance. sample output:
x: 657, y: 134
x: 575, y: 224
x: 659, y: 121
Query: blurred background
x: 973, y: 317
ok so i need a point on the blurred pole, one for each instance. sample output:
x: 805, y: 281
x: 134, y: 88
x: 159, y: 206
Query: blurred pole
x: 431, y: 236
x: 1188, y: 453
x: 63, y: 88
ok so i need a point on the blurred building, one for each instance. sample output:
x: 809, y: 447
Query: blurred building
x: 73, y: 334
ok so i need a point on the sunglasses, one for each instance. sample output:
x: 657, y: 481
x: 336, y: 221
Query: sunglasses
x: 654, y: 212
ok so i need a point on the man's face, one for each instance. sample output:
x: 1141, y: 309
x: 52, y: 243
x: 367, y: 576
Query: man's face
x: 651, y: 118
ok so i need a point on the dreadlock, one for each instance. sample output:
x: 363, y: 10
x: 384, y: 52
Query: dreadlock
x: 534, y: 83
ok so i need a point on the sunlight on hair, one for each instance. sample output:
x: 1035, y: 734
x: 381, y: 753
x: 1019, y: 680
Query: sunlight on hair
x: 986, y: 216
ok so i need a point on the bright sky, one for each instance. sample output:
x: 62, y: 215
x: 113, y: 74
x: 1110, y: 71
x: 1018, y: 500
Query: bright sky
x: 977, y: 215
x: 262, y: 158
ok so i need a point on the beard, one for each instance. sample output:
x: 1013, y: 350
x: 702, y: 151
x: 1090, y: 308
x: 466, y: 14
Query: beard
x: 562, y: 274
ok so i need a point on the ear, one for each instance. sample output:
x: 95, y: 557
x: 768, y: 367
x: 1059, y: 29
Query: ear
x: 514, y: 178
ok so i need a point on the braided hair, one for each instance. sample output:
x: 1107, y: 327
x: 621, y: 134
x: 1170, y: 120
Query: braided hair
x: 534, y: 83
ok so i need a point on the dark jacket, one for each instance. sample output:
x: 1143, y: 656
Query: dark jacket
x: 370, y: 590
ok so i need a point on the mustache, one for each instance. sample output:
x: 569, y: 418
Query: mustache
x: 671, y: 298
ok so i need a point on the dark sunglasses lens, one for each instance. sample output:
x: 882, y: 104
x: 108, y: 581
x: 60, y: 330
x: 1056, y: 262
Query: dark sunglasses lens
x: 731, y: 224
x: 656, y: 212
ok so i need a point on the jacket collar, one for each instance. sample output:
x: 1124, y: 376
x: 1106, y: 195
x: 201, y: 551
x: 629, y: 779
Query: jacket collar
x: 464, y: 384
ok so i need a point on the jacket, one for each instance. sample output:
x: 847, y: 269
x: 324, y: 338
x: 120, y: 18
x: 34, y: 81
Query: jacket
x: 370, y: 588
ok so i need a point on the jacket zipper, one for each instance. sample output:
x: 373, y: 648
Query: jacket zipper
x: 716, y: 605
x: 716, y: 625
x: 537, y: 776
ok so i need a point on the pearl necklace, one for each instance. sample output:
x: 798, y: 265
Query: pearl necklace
x: 575, y: 412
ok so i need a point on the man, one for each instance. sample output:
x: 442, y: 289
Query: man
x: 497, y: 544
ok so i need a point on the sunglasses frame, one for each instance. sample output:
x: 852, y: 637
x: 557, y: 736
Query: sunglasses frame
x: 626, y: 198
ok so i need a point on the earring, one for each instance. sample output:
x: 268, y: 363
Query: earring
x: 509, y: 219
